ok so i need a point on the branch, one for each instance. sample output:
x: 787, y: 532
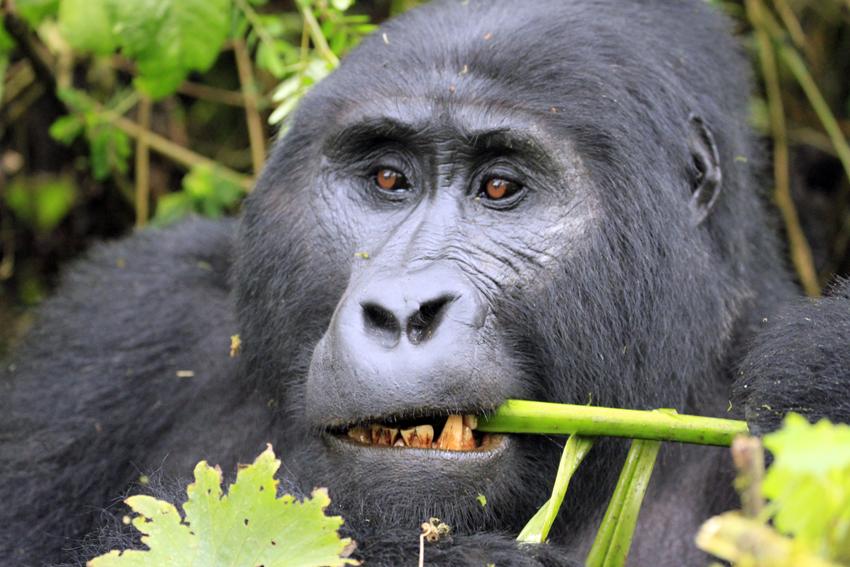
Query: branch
x: 252, y: 115
x: 143, y: 163
x: 521, y: 416
x: 801, y: 253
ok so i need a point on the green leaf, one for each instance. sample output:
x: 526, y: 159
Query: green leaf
x: 204, y: 192
x: 342, y: 5
x: 172, y: 207
x: 247, y: 527
x: 6, y: 41
x: 87, y: 25
x: 809, y: 484
x: 211, y: 194
x: 110, y: 149
x: 170, y: 38
x: 36, y: 11
x: 66, y: 129
x: 41, y: 203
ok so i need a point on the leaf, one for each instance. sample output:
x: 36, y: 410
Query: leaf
x: 170, y: 38
x: 204, y: 192
x: 811, y: 465
x: 36, y: 11
x: 41, y: 203
x: 747, y: 542
x: 247, y: 527
x: 66, y: 129
x: 110, y: 149
x: 87, y: 25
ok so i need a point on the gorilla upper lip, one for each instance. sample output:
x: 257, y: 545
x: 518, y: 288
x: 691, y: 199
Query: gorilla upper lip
x: 455, y: 432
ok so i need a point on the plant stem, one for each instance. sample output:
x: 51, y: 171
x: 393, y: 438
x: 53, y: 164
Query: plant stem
x: 537, y: 529
x: 798, y: 68
x: 316, y: 34
x: 614, y: 538
x: 801, y: 253
x: 143, y: 163
x: 521, y: 416
x: 252, y: 115
x: 176, y: 152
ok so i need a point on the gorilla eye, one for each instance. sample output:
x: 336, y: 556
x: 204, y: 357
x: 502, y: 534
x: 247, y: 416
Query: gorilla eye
x: 391, y: 180
x: 499, y: 189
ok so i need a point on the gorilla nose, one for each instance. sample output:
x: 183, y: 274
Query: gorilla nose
x: 401, y: 341
x: 386, y: 315
x: 418, y: 324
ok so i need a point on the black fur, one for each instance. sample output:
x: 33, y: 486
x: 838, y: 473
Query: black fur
x: 622, y: 278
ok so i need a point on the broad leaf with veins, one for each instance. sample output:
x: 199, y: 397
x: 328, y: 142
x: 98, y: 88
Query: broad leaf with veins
x: 246, y: 527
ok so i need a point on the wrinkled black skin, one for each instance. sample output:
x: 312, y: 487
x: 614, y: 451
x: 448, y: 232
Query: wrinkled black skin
x: 640, y: 268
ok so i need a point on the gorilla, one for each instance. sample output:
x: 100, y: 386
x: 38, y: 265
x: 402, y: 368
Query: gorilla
x: 489, y: 199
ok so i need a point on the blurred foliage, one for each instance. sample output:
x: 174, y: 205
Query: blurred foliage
x: 805, y: 521
x: 114, y: 108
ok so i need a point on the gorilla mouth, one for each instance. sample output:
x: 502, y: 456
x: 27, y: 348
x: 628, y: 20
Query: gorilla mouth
x: 454, y: 433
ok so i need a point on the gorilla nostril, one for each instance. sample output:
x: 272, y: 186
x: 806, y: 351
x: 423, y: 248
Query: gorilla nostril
x: 381, y: 323
x: 423, y: 324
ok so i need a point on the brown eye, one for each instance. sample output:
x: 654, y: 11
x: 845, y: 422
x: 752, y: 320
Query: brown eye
x: 497, y: 189
x: 390, y: 180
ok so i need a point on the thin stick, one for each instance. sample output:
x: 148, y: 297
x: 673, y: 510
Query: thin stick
x: 521, y: 416
x: 795, y: 63
x: 176, y: 152
x: 316, y: 35
x: 252, y: 115
x: 143, y: 163
x: 801, y: 253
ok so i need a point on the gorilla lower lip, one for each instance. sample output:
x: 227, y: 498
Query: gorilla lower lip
x: 456, y: 433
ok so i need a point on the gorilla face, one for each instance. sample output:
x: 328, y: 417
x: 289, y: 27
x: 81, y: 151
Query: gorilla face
x: 436, y: 201
x: 462, y: 219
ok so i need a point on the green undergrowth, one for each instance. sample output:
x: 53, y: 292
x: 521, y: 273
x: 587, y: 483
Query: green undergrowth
x: 797, y: 513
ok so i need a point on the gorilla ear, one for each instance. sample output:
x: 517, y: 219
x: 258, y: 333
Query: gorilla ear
x: 707, y: 177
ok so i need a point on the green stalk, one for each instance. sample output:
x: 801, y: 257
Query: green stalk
x: 520, y: 416
x: 614, y: 538
x: 537, y: 528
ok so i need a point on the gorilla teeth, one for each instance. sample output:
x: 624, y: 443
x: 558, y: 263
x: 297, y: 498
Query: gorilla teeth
x: 359, y: 434
x: 420, y: 436
x: 383, y: 435
x: 456, y: 435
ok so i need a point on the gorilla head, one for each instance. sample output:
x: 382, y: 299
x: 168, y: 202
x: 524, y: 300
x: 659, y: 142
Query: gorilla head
x: 492, y: 200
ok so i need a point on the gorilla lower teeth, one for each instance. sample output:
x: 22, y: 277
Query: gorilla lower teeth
x: 457, y: 435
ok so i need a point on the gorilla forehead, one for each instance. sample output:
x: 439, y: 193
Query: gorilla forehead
x: 482, y: 47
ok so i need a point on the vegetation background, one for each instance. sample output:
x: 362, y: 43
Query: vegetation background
x: 115, y: 114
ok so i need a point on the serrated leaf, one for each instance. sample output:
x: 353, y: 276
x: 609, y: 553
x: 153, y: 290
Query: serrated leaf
x: 170, y: 38
x: 87, y: 25
x: 246, y: 527
x: 809, y: 484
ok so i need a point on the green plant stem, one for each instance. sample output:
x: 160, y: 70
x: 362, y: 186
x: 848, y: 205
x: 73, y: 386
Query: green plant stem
x: 614, y: 538
x: 800, y: 251
x: 798, y: 68
x: 143, y: 163
x: 537, y: 529
x: 521, y: 416
x: 316, y: 34
x: 256, y: 136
